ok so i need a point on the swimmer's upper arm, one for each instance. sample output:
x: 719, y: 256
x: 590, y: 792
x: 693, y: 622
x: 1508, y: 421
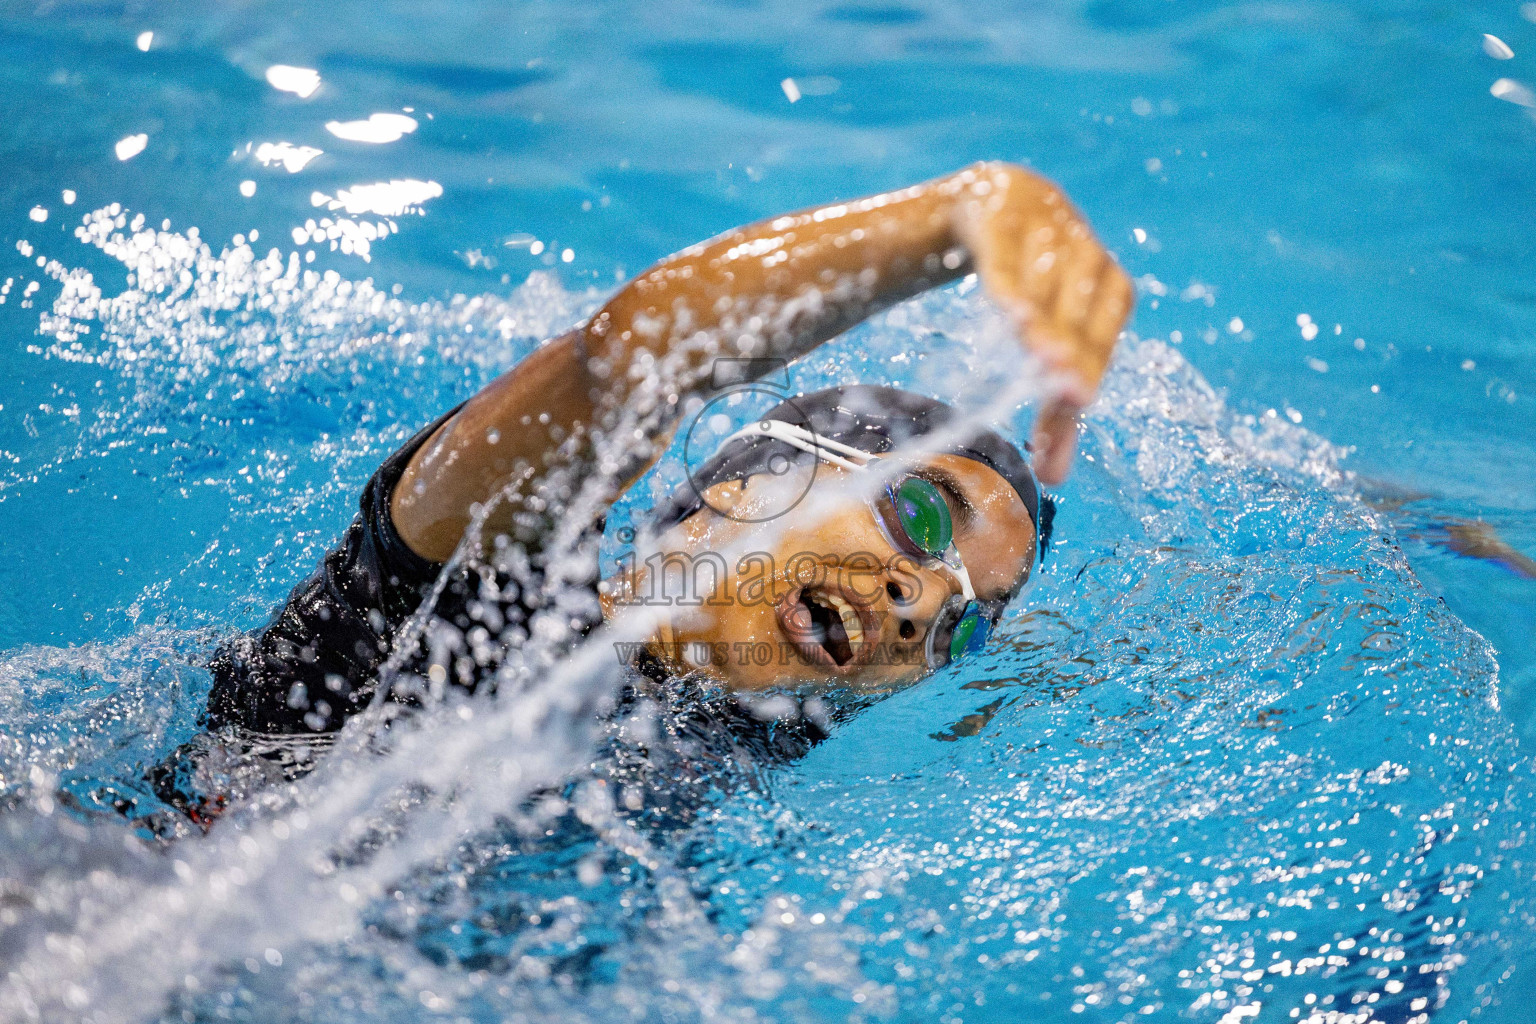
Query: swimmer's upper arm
x: 511, y: 429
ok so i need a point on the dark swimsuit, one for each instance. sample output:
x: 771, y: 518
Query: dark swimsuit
x: 292, y: 684
x: 315, y: 664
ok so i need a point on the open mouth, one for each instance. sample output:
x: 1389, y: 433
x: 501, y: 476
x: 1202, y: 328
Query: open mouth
x: 826, y: 626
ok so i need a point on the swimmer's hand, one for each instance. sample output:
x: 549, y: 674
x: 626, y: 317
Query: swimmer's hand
x: 1038, y: 259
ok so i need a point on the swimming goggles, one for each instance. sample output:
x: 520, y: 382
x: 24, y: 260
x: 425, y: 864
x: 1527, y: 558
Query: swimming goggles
x: 915, y: 518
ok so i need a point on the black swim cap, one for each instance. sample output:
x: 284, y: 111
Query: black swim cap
x: 873, y: 419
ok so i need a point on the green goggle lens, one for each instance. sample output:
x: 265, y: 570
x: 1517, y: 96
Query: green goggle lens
x: 970, y: 635
x: 924, y: 515
x: 962, y: 628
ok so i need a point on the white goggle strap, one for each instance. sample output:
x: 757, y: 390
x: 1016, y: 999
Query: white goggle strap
x: 824, y: 448
x: 961, y: 575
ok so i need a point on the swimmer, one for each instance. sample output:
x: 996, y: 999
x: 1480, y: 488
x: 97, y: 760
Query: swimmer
x: 923, y: 527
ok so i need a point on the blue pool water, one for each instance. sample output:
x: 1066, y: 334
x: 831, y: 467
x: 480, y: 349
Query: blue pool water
x: 1254, y: 747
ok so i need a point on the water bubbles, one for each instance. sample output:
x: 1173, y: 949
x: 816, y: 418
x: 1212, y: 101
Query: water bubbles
x: 248, y: 188
x: 1198, y: 291
x: 144, y: 41
x: 38, y: 214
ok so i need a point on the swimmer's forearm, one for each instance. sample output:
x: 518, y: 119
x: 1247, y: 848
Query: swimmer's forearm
x: 780, y: 287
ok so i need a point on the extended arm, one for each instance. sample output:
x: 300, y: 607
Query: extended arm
x: 778, y: 289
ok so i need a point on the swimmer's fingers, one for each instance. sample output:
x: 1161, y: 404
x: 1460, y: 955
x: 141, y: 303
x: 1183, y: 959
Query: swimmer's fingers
x: 1108, y: 307
x: 1055, y: 440
x: 1038, y: 258
x: 1090, y: 310
x: 1094, y: 323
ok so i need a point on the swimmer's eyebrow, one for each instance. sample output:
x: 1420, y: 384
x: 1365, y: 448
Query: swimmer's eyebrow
x: 960, y: 502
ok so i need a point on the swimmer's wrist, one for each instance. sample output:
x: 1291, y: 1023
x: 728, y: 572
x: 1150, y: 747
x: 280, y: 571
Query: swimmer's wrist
x: 990, y: 190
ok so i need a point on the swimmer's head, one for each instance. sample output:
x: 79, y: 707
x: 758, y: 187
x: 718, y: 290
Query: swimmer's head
x: 855, y: 537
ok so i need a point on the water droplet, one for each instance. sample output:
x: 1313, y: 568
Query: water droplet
x: 1496, y: 48
x: 132, y: 146
x: 1511, y: 91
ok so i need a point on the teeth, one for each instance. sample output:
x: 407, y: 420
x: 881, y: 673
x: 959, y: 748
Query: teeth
x: 845, y: 611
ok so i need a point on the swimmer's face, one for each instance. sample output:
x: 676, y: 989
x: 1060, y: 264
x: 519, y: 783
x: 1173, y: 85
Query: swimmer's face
x: 820, y: 595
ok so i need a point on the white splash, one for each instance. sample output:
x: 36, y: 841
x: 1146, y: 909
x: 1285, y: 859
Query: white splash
x: 346, y: 235
x: 355, y: 237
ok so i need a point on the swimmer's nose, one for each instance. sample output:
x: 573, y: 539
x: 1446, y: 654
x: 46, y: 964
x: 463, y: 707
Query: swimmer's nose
x: 905, y: 627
